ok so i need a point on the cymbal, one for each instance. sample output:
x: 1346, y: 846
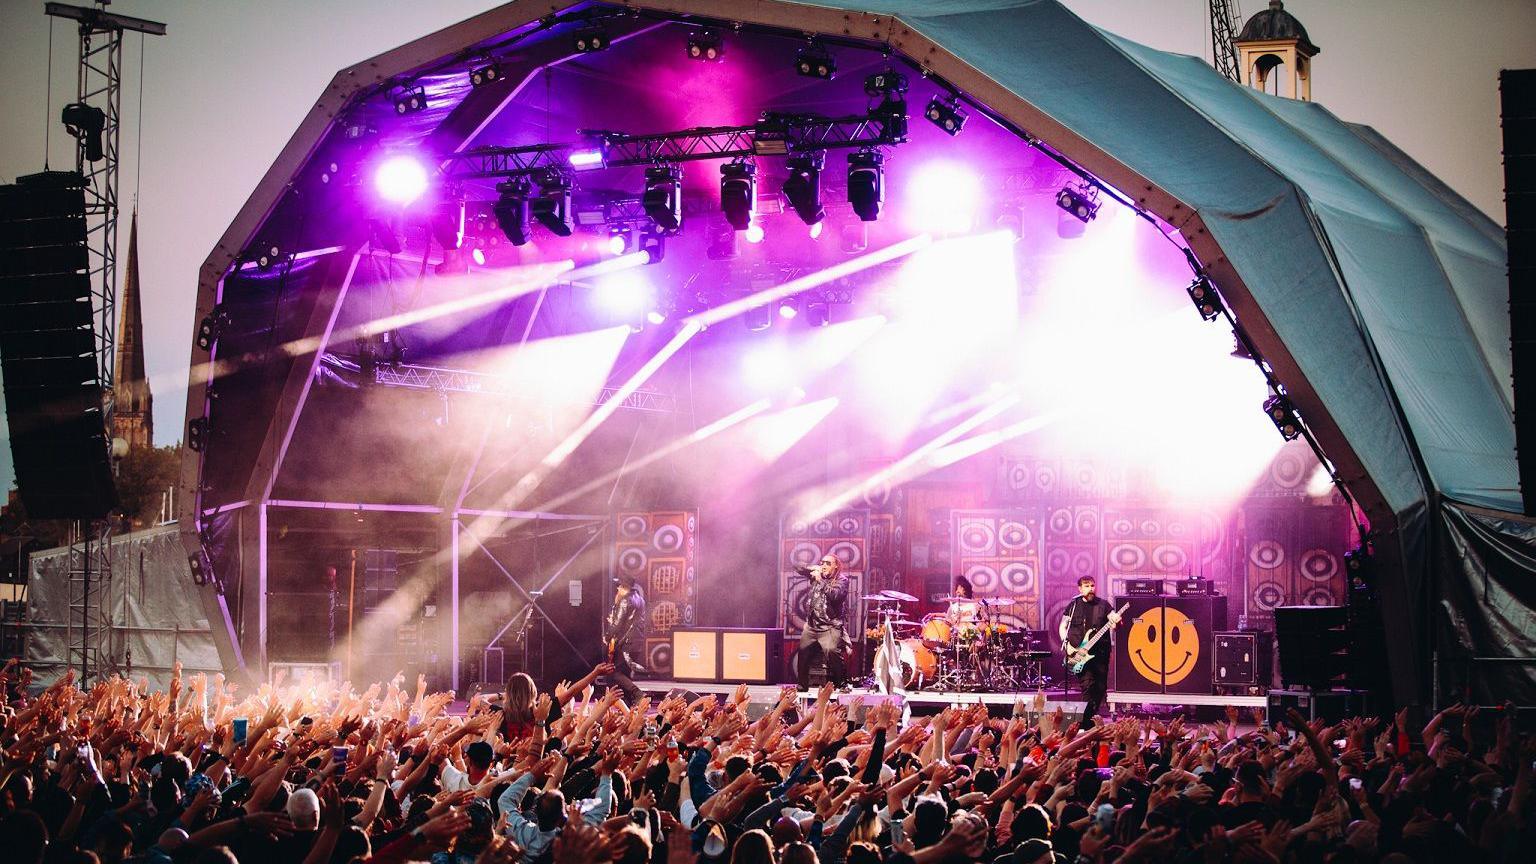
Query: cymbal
x: 906, y: 623
x: 877, y: 596
x: 901, y: 596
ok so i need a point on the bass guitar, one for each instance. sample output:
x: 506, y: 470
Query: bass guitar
x: 1079, y: 656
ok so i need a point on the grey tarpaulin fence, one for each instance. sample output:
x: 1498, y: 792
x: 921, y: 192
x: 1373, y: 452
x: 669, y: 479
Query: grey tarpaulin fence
x: 149, y: 605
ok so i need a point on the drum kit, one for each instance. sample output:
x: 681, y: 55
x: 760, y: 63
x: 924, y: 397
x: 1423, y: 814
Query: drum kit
x: 977, y: 654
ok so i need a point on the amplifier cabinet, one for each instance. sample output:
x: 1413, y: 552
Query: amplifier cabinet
x: 1241, y: 659
x: 727, y: 655
x: 1164, y: 645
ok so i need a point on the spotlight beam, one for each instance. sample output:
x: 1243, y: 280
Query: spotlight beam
x: 901, y: 470
x: 727, y: 311
x: 701, y: 434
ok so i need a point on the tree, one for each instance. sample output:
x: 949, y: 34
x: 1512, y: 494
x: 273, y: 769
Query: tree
x: 142, y: 478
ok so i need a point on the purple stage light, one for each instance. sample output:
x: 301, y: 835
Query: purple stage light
x: 585, y: 158
x: 617, y: 244
x: 400, y: 179
x: 478, y: 255
x: 754, y: 233
x: 787, y: 309
x: 816, y: 231
x: 656, y: 316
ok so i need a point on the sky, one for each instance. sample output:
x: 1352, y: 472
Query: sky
x: 230, y: 82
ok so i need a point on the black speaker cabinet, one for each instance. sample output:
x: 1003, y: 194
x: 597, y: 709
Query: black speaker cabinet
x: 1164, y: 645
x: 1241, y: 659
x: 1330, y: 705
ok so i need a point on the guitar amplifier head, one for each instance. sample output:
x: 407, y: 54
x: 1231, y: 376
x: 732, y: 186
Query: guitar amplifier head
x: 1143, y: 588
x: 1195, y: 587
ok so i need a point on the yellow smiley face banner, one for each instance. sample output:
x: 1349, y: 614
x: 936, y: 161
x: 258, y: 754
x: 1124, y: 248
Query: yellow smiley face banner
x: 1165, y: 644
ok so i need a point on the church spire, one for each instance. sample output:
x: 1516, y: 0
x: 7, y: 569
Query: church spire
x: 133, y: 412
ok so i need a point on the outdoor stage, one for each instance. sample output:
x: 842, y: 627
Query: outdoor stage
x: 925, y: 702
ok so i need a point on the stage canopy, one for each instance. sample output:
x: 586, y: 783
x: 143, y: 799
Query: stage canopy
x: 1375, y: 293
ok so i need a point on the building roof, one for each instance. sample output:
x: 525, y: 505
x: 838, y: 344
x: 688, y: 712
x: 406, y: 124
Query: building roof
x: 1276, y: 23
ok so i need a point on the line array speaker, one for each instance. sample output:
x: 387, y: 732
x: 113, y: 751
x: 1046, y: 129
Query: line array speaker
x: 53, y: 391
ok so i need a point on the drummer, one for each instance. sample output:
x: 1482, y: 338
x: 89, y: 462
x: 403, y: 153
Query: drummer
x: 964, y: 613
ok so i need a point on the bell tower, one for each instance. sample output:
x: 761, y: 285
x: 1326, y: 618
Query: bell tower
x: 1275, y: 54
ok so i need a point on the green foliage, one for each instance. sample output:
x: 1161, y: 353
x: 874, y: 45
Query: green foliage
x: 142, y: 478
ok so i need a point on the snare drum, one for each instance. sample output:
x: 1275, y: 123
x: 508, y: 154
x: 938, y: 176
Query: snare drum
x: 936, y: 630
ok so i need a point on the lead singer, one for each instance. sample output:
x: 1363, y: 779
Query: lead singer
x: 825, y: 606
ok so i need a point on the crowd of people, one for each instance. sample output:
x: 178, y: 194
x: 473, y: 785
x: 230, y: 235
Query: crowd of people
x: 306, y: 772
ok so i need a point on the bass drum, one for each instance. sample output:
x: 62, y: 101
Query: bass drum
x: 918, y: 664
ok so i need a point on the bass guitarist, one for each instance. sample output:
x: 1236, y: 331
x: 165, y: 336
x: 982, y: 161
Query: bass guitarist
x: 623, y: 625
x: 1083, y: 616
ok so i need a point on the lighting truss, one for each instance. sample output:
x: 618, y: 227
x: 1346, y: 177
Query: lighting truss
x: 445, y: 380
x: 774, y: 134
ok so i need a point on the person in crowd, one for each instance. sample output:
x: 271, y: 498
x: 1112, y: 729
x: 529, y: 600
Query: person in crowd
x: 326, y: 775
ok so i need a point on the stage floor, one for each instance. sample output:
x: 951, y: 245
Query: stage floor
x: 934, y: 701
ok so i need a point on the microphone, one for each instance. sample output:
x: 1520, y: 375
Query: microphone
x: 805, y: 570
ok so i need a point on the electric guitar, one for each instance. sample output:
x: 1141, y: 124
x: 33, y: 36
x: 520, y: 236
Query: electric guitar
x: 1080, y: 655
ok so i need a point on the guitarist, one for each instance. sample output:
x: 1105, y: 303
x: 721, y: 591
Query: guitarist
x: 623, y: 624
x: 1084, y: 615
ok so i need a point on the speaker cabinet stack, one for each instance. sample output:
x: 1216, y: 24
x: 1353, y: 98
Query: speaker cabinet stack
x: 1313, y: 642
x: 53, y: 389
x: 1164, y: 644
x: 1241, y: 661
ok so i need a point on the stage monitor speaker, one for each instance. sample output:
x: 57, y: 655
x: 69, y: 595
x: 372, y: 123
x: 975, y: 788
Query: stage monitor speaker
x: 1517, y: 110
x: 1329, y: 705
x: 53, y: 390
x: 695, y: 655
x: 1312, y: 643
x: 1241, y: 659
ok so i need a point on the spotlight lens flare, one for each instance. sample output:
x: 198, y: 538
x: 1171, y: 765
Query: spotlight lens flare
x: 943, y: 198
x: 401, y: 179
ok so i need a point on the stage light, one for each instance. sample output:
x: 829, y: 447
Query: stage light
x: 754, y: 233
x: 788, y: 308
x: 414, y: 99
x: 866, y: 183
x: 269, y: 255
x: 656, y: 317
x: 816, y: 62
x: 478, y: 256
x: 617, y: 243
x: 1203, y: 293
x: 197, y: 434
x: 512, y: 212
x: 947, y: 115
x: 624, y: 293
x: 447, y: 224
x: 758, y: 318
x: 552, y: 207
x: 662, y: 199
x: 816, y: 231
x: 705, y: 45
x: 580, y: 159
x: 1283, y: 413
x: 738, y: 193
x: 400, y: 179
x: 653, y: 245
x: 86, y: 123
x: 590, y: 39
x: 886, y: 84
x: 1081, y: 200
x: 484, y: 75
x: 208, y: 331
x: 802, y: 188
